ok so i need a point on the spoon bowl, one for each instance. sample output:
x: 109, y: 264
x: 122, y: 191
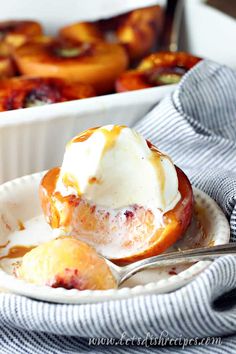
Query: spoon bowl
x: 170, y: 259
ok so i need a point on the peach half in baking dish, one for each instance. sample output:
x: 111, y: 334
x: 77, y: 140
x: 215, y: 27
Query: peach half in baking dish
x: 15, y: 33
x: 118, y: 193
x: 82, y: 32
x: 157, y: 69
x: 97, y: 64
x: 7, y: 68
x: 137, y: 31
x: 22, y: 92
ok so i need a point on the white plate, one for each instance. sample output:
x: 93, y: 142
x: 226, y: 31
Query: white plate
x: 19, y: 202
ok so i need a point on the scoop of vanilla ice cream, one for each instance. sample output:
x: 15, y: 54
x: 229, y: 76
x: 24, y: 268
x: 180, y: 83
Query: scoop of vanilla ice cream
x: 113, y: 167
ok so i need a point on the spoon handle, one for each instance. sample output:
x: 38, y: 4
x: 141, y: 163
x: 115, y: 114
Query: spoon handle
x: 172, y: 25
x: 174, y: 258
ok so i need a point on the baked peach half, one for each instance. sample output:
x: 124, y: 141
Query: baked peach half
x: 158, y: 69
x: 124, y: 234
x: 21, y: 92
x: 67, y: 263
x: 98, y: 64
x: 139, y: 31
x: 15, y: 33
x: 7, y: 68
x: 82, y: 32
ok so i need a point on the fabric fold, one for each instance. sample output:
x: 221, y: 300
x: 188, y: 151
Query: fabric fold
x: 188, y: 311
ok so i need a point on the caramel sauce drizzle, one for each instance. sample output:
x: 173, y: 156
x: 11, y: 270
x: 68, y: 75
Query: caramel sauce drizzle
x: 69, y: 181
x: 155, y: 159
x: 17, y: 251
x: 21, y: 225
x: 83, y: 136
x: 111, y: 136
x: 5, y: 244
x: 93, y: 180
x: 48, y: 184
x: 50, y: 179
x: 47, y: 191
x: 47, y: 188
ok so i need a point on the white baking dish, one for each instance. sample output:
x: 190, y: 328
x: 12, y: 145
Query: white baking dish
x: 208, y: 33
x: 34, y: 139
x: 54, y: 14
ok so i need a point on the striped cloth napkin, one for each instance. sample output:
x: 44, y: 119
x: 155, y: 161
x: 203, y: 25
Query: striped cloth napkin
x: 196, y: 125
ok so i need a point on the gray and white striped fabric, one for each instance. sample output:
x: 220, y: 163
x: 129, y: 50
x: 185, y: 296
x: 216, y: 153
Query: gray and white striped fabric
x: 197, y: 127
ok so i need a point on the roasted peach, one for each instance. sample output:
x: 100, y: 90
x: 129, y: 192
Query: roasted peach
x: 98, y: 64
x: 67, y: 263
x: 6, y: 67
x: 82, y: 31
x: 157, y: 69
x: 21, y: 92
x: 129, y: 234
x: 15, y: 33
x: 139, y: 31
x: 43, y: 39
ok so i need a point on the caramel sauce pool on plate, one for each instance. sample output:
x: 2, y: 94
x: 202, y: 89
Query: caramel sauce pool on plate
x: 16, y: 251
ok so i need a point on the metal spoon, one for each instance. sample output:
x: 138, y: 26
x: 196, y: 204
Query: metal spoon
x: 171, y: 259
